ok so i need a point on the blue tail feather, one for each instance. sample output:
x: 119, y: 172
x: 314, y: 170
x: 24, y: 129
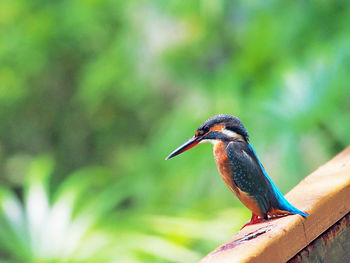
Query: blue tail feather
x: 282, y: 201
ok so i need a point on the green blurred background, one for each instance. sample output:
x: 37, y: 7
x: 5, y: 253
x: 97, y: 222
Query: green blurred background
x: 95, y: 94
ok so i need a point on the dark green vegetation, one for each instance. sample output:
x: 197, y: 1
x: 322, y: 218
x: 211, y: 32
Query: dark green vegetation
x: 95, y: 94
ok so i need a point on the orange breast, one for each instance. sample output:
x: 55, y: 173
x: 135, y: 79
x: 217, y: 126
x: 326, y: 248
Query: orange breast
x: 224, y: 168
x: 222, y: 162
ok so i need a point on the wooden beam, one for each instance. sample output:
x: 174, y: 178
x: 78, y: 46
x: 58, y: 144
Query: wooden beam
x: 324, y: 195
x: 331, y: 246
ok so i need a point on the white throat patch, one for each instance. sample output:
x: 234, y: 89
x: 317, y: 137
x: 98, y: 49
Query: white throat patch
x: 212, y: 141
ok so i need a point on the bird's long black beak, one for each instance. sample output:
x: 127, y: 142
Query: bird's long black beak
x: 186, y: 146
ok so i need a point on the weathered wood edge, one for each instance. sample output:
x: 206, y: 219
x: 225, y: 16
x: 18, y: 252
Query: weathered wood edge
x: 324, y: 195
x: 332, y: 245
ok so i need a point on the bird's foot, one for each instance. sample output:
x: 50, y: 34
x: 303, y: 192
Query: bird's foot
x: 254, y: 220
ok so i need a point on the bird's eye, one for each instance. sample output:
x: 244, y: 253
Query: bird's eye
x: 202, y: 131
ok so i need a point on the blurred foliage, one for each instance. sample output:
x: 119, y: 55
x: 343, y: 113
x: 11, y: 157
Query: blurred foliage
x: 95, y: 94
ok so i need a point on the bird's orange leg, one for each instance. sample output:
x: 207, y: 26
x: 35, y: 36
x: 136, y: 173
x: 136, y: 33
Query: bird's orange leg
x: 254, y: 220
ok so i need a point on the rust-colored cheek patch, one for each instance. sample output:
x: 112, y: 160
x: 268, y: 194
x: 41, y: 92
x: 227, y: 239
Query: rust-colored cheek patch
x: 217, y: 127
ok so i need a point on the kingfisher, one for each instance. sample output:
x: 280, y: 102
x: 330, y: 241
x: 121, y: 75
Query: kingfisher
x: 240, y: 167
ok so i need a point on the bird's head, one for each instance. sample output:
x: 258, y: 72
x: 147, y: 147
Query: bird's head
x: 218, y: 128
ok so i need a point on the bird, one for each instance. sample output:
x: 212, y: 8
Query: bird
x: 240, y: 168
